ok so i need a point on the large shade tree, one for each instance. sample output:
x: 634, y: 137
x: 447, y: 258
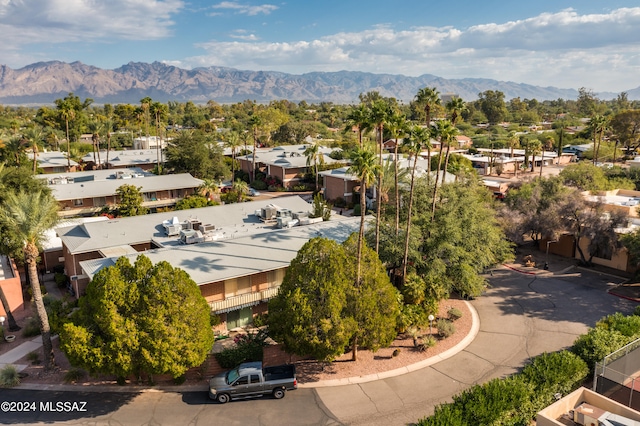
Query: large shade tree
x: 139, y: 319
x: 28, y: 215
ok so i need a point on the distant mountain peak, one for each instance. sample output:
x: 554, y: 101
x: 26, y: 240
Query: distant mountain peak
x: 43, y: 82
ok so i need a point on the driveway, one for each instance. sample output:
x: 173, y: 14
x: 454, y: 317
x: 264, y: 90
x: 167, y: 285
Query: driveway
x: 521, y: 316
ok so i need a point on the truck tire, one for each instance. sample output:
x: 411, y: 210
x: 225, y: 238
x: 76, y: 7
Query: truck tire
x: 223, y: 398
x: 278, y: 393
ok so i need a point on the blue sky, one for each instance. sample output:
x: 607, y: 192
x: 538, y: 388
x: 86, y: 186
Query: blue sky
x: 567, y: 44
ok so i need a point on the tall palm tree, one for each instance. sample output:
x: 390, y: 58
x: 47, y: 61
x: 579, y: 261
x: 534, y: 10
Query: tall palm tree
x: 513, y: 141
x: 96, y: 128
x: 34, y: 136
x: 599, y: 124
x: 29, y: 215
x: 255, y: 122
x: 363, y: 165
x: 232, y: 141
x: 456, y: 107
x: 397, y: 126
x: 419, y: 137
x: 314, y: 156
x: 358, y: 117
x: 68, y: 113
x: 108, y: 128
x: 380, y: 113
x: 159, y: 111
x: 446, y: 133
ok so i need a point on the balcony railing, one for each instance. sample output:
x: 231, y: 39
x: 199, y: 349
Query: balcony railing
x: 242, y: 301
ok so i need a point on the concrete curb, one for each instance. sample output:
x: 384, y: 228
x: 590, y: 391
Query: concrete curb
x: 466, y: 341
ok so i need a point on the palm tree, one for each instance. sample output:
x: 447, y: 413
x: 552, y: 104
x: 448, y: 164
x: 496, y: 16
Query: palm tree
x: 108, y: 128
x: 380, y: 113
x: 159, y: 111
x: 314, y: 156
x: 359, y: 117
x: 397, y: 127
x: 599, y: 124
x: 419, y: 138
x: 446, y: 132
x: 456, y: 107
x: 363, y: 165
x: 68, y: 113
x: 242, y: 189
x: 514, y: 141
x: 429, y: 97
x: 209, y: 189
x: 34, y: 136
x: 255, y: 122
x: 232, y: 140
x: 29, y: 215
x: 95, y: 127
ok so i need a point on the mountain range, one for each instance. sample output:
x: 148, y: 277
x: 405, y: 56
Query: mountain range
x: 43, y: 82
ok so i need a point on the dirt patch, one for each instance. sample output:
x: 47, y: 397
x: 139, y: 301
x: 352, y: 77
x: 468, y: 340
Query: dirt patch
x: 383, y: 360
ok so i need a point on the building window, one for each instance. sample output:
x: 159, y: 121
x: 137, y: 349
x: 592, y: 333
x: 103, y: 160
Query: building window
x: 59, y: 169
x: 77, y: 202
x: 150, y: 196
x: 275, y: 278
x: 99, y: 201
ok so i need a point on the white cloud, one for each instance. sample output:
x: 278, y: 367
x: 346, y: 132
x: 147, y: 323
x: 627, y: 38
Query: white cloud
x: 246, y: 9
x: 56, y: 21
x: 563, y: 49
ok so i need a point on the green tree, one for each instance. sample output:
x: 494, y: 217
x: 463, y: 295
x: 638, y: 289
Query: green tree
x: 446, y: 132
x: 380, y: 113
x: 139, y: 319
x: 198, y: 154
x: 309, y: 314
x: 320, y: 208
x: 493, y: 106
x: 626, y: 128
x: 28, y: 216
x: 374, y: 303
x: 130, y: 201
x: 255, y: 122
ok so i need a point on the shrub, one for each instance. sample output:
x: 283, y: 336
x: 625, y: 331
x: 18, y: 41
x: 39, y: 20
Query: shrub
x: 499, y: 401
x: 31, y: 328
x: 454, y: 314
x: 627, y: 325
x: 557, y: 372
x: 636, y: 311
x: 427, y: 342
x: 445, y: 328
x: 60, y: 279
x: 58, y: 312
x: 33, y: 357
x: 180, y: 379
x: 9, y: 376
x: 260, y: 320
x: 74, y: 375
x: 249, y: 347
x: 260, y: 185
x: 598, y: 343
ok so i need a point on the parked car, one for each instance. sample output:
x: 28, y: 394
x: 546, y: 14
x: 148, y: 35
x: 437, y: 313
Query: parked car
x: 253, y: 192
x: 251, y: 380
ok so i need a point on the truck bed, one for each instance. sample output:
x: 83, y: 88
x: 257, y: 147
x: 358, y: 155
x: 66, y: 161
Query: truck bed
x: 279, y: 372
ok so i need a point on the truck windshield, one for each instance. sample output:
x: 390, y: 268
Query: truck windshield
x: 232, y: 376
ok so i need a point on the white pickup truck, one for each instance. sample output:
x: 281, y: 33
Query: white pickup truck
x: 250, y: 380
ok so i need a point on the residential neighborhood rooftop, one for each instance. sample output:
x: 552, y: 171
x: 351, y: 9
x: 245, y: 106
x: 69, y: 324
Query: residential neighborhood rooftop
x: 268, y: 250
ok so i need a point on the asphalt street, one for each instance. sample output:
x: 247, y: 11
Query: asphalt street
x: 521, y: 316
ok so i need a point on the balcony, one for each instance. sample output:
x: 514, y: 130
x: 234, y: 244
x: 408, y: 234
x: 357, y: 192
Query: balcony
x: 242, y: 301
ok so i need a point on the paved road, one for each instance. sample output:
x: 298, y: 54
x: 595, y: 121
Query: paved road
x: 521, y: 316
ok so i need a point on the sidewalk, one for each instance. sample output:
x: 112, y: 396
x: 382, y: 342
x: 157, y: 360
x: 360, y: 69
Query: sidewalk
x: 20, y: 352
